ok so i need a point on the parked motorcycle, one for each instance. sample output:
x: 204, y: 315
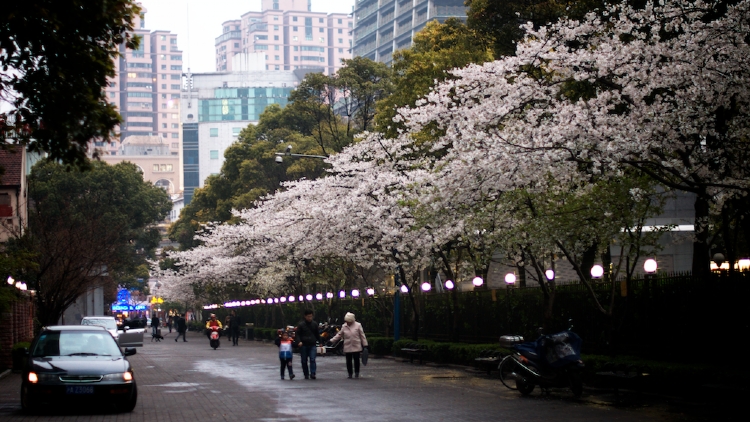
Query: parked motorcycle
x: 214, y: 337
x: 327, y: 332
x: 550, y: 361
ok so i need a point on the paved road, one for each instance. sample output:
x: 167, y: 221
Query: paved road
x: 192, y: 382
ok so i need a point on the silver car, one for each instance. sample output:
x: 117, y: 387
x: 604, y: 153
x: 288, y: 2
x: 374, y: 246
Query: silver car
x: 126, y: 337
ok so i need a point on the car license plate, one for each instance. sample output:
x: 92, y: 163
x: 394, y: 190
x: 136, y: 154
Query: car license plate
x: 79, y: 389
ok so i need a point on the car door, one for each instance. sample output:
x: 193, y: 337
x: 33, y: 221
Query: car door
x: 130, y: 338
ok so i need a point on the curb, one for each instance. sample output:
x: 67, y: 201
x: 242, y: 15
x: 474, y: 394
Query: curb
x: 5, y: 373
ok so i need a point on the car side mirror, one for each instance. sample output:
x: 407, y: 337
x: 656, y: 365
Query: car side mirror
x: 130, y: 351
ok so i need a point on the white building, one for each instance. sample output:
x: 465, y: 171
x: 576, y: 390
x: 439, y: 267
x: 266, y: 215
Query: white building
x: 215, y: 107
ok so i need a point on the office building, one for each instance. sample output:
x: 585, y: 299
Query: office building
x: 215, y: 107
x: 385, y: 26
x: 289, y: 35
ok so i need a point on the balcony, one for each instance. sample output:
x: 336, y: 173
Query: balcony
x: 231, y: 35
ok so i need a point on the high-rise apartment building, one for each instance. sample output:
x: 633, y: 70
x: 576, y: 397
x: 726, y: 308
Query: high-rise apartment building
x: 290, y: 36
x: 146, y: 89
x: 385, y: 26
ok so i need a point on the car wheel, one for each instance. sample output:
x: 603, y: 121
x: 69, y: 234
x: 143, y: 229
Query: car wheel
x: 27, y: 404
x: 129, y: 405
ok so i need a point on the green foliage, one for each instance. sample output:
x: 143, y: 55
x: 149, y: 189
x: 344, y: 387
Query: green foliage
x: 380, y: 345
x: 66, y: 50
x: 437, y: 48
x: 22, y: 345
x: 498, y: 22
x: 84, y: 224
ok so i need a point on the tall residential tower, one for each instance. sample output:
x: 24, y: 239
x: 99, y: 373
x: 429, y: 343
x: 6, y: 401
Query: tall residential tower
x: 290, y: 36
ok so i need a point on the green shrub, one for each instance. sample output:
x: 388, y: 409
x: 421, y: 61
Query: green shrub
x: 380, y: 345
x: 22, y: 345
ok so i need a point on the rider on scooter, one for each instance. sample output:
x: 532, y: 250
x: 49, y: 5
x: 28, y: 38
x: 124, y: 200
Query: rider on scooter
x: 213, y: 322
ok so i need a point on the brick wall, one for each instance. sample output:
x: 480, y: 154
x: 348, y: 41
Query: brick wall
x: 15, y: 325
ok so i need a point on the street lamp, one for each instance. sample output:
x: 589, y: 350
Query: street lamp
x: 342, y: 294
x: 597, y: 271
x: 449, y: 284
x: 650, y: 266
x: 319, y: 296
x: 355, y: 293
x: 426, y: 287
x: 329, y: 295
x: 11, y: 281
x: 370, y: 291
x: 477, y: 282
x: 288, y: 153
x: 404, y: 289
x: 291, y: 298
x: 510, y: 279
x: 308, y: 297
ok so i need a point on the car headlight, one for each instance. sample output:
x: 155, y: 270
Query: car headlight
x: 120, y: 376
x: 36, y: 377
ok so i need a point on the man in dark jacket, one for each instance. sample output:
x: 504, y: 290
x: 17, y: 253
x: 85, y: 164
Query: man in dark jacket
x: 234, y: 328
x: 181, y: 328
x: 307, y: 335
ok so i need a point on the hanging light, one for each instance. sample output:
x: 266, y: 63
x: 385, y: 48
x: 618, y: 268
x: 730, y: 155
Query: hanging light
x: 269, y: 301
x: 282, y: 299
x: 308, y: 297
x: 355, y: 293
x: 319, y: 296
x: 11, y: 281
x: 342, y: 294
x: 275, y: 300
x: 477, y: 281
x: 301, y: 298
x: 404, y: 289
x: 370, y: 291
x: 329, y: 295
x: 291, y: 298
x: 449, y: 284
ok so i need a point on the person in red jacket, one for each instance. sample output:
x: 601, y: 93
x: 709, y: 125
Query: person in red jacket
x: 212, y: 322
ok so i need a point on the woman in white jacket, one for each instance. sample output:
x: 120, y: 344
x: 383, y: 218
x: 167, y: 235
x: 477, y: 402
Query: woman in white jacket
x: 354, y: 342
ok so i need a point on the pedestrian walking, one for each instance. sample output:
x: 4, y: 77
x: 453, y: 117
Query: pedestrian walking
x: 154, y: 325
x: 170, y: 322
x: 285, y: 353
x: 181, y: 328
x: 234, y: 328
x: 307, y: 337
x: 354, y: 339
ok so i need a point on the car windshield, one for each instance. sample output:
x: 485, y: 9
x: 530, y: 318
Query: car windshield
x: 75, y: 343
x: 103, y: 322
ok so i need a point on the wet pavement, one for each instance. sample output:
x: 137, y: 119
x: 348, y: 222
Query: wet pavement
x: 192, y: 382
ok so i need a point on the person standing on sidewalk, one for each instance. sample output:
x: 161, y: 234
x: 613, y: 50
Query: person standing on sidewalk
x: 354, y: 339
x: 234, y: 328
x: 170, y: 322
x: 181, y: 328
x: 307, y: 336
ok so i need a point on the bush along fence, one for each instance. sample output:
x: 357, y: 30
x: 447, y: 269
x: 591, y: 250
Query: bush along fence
x: 659, y: 317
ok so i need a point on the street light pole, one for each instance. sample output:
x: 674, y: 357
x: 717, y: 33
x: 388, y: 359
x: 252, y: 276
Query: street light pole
x: 288, y: 153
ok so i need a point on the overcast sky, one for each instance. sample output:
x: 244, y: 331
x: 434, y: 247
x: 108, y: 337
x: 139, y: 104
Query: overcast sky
x: 197, y: 29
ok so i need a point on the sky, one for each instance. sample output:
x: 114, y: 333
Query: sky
x: 198, y: 22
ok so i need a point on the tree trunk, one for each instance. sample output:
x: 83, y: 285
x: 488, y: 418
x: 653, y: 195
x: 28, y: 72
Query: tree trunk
x: 701, y: 250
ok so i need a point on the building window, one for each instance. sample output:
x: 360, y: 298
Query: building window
x: 175, y: 144
x: 214, y: 132
x: 175, y: 86
x: 341, y: 40
x: 163, y: 37
x: 320, y: 20
x: 173, y: 40
x: 341, y: 31
x: 164, y: 47
x: 295, y: 38
x: 341, y: 21
x: 164, y: 76
x: 276, y: 57
x: 236, y: 131
x: 214, y: 154
x: 236, y: 45
x: 294, y: 28
x: 164, y: 125
x: 294, y: 19
x: 156, y: 167
x: 163, y: 86
x: 320, y: 29
x: 163, y: 67
x: 275, y: 37
x: 175, y: 125
x: 276, y: 47
x: 296, y: 58
x: 276, y: 67
x: 341, y: 50
x: 176, y: 135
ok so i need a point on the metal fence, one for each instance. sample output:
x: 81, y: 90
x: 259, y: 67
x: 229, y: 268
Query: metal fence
x: 665, y: 315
